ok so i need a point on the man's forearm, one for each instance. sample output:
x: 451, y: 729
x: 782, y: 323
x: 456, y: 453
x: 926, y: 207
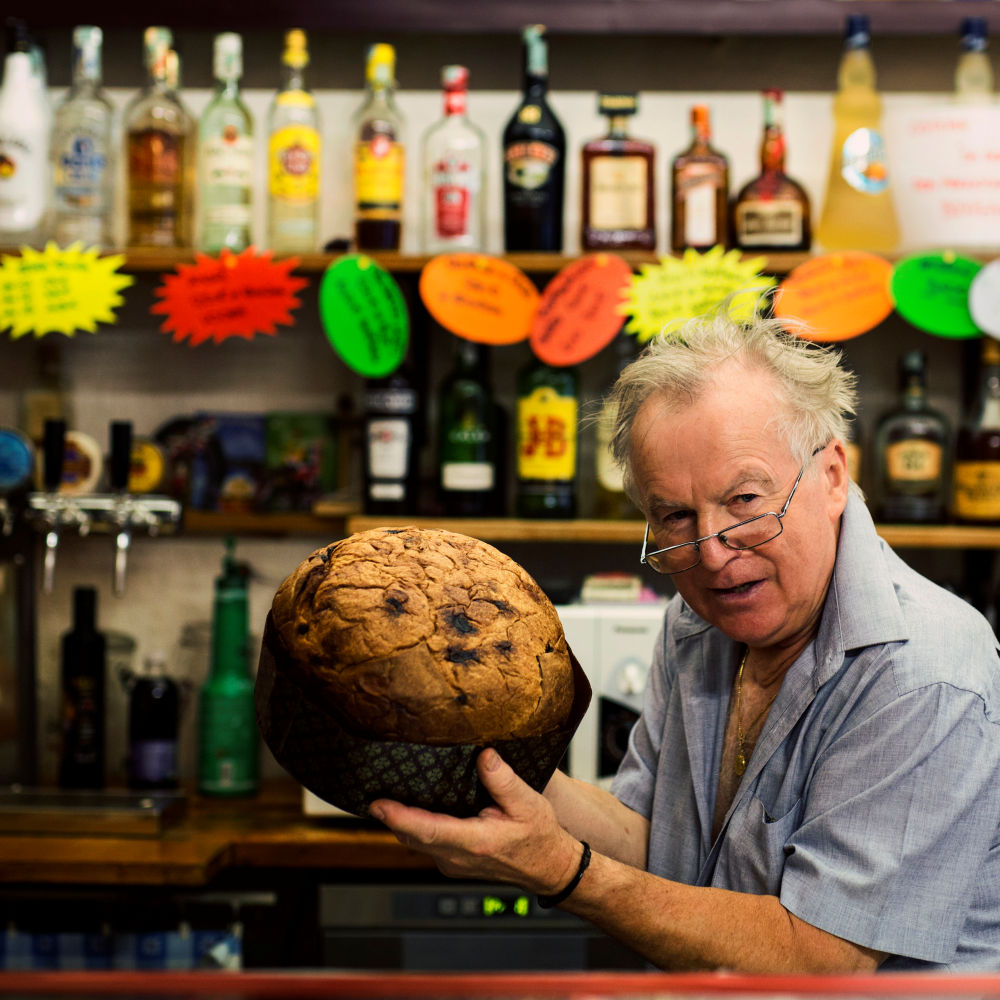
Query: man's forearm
x: 594, y: 815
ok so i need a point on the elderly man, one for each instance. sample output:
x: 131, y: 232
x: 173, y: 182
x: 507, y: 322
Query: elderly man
x: 813, y: 783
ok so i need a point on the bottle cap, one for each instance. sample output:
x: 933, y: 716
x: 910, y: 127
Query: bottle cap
x: 912, y: 363
x: 228, y: 64
x: 18, y: 37
x: 536, y: 59
x: 617, y: 103
x: 381, y: 65
x: 157, y: 42
x: 454, y: 78
x: 87, y: 39
x: 974, y: 34
x: 857, y: 33
x: 296, y: 52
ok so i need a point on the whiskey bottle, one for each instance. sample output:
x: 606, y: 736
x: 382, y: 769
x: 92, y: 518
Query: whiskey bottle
x: 534, y: 159
x: 610, y: 501
x: 771, y: 212
x: 160, y: 141
x: 619, y: 183
x: 294, y: 153
x: 470, y: 437
x: 976, y: 497
x: 392, y: 411
x: 548, y: 400
x: 912, y: 446
x: 81, y: 153
x: 225, y: 155
x: 699, y: 190
x: 379, y: 159
x: 454, y: 161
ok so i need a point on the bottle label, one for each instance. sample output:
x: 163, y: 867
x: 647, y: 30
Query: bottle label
x: 293, y: 156
x: 454, y: 184
x: 468, y: 476
x: 79, y: 176
x: 154, y: 761
x: 529, y: 164
x: 617, y: 193
x: 378, y: 178
x: 863, y: 161
x: 155, y: 157
x: 697, y: 188
x: 768, y: 223
x: 389, y: 443
x: 977, y: 491
x: 228, y: 159
x: 228, y: 744
x: 913, y: 465
x: 23, y: 182
x: 397, y: 400
x: 546, y: 432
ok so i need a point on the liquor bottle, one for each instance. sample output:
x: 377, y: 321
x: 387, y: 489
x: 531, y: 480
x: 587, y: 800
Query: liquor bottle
x: 699, y: 190
x: 974, y: 72
x: 912, y: 445
x: 153, y: 722
x: 294, y: 155
x: 82, y: 669
x: 858, y: 211
x: 976, y: 497
x: 610, y: 501
x: 548, y: 403
x: 227, y: 730
x: 771, y: 212
x: 619, y: 183
x: 454, y: 162
x: 392, y: 410
x: 24, y: 144
x: 225, y: 154
x: 470, y: 437
x: 379, y: 156
x: 81, y: 151
x: 534, y: 159
x: 160, y: 153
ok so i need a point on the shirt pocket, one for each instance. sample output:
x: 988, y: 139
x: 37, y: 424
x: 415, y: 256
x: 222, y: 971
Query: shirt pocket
x: 755, y: 847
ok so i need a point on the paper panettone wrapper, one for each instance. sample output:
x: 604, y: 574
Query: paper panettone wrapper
x: 351, y: 771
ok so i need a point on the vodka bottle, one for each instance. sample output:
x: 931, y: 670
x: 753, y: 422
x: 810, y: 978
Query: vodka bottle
x: 24, y: 145
x: 454, y: 196
x: 81, y: 151
x: 159, y: 135
x: 293, y: 156
x: 225, y: 156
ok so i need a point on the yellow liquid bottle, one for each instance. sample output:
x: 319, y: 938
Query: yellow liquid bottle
x: 858, y: 211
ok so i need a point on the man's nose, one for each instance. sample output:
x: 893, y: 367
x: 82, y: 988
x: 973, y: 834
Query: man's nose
x: 714, y: 555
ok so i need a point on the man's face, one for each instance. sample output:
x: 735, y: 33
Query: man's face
x: 720, y: 460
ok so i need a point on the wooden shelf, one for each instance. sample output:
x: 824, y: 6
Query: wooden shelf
x: 329, y: 523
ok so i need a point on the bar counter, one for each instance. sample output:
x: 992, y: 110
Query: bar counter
x: 211, y: 836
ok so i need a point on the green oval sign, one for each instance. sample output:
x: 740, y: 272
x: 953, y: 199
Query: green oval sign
x: 364, y: 315
x: 931, y: 291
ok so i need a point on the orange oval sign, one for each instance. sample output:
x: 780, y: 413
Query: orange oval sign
x: 478, y: 297
x: 581, y: 309
x: 838, y: 296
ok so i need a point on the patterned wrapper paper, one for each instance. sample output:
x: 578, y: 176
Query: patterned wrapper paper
x: 350, y: 771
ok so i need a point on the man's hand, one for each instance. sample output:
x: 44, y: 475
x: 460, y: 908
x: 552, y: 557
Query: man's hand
x: 518, y: 840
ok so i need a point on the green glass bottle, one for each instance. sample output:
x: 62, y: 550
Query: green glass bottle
x: 227, y: 731
x: 548, y: 401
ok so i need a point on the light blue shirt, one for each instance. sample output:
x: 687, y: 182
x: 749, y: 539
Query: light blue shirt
x: 871, y: 804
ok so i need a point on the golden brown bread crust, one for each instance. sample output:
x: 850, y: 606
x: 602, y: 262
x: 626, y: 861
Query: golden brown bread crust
x: 426, y: 636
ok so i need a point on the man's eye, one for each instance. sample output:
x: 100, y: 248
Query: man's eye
x: 746, y: 498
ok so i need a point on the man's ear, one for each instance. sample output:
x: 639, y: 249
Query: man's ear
x: 835, y: 475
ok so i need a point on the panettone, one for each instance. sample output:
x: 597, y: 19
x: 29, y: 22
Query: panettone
x: 425, y: 636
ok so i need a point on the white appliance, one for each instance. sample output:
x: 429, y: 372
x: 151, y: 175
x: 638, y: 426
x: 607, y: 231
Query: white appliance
x: 614, y: 644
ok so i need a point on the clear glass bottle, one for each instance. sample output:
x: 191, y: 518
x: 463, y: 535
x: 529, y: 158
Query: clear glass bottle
x: 24, y: 144
x: 379, y: 156
x: 858, y: 210
x: 912, y: 449
x: 534, y: 159
x: 976, y: 496
x: 699, y: 190
x: 454, y: 162
x: 294, y: 156
x: 974, y: 72
x: 226, y: 156
x: 82, y: 154
x: 160, y: 153
x: 771, y: 212
x: 619, y: 183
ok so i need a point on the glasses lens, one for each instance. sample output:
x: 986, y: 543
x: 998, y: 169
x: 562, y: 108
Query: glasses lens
x: 752, y: 533
x: 674, y: 560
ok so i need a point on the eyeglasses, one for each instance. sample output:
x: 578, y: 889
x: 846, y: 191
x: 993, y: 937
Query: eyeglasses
x: 746, y: 534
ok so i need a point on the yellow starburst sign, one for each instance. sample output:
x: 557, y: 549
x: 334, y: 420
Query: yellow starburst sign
x: 678, y: 289
x: 59, y: 290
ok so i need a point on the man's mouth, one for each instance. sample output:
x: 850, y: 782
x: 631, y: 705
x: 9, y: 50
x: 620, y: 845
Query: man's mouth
x: 740, y: 588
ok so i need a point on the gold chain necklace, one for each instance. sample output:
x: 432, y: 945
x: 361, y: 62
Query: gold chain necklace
x: 740, y: 760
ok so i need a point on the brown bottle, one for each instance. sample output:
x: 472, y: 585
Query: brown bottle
x: 619, y: 183
x: 699, y: 190
x: 976, y: 496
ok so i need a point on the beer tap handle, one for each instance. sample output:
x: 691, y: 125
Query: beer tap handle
x: 52, y: 466
x: 121, y: 463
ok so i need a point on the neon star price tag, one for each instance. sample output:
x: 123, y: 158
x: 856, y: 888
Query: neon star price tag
x: 364, y: 315
x: 59, y: 290
x: 931, y: 291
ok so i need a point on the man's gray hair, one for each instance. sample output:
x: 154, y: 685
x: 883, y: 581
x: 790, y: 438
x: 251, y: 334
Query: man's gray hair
x: 819, y: 396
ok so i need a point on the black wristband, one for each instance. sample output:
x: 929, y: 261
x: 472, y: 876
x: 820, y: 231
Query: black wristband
x: 547, y: 902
